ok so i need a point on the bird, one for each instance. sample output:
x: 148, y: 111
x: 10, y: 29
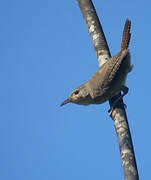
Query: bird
x: 108, y: 80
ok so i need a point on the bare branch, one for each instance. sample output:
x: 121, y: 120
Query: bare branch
x: 95, y: 30
x: 118, y: 114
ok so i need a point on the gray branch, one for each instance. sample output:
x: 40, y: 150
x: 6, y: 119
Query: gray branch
x: 118, y: 115
x: 95, y: 30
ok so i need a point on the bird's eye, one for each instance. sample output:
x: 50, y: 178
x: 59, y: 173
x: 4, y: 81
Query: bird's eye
x: 76, y: 92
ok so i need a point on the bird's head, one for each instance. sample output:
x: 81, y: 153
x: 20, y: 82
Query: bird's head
x: 79, y: 95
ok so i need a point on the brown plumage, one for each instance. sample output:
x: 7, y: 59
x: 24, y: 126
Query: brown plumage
x: 126, y: 35
x: 109, y: 79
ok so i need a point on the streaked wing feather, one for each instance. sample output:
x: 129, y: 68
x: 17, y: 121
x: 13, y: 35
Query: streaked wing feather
x: 101, y: 80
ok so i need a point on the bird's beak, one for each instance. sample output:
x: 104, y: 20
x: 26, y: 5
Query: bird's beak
x: 65, y: 102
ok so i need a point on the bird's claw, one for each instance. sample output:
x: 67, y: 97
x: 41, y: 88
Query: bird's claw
x: 110, y: 111
x: 125, y: 106
x: 112, y: 108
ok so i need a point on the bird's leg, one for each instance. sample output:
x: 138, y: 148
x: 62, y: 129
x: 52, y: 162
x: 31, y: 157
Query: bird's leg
x: 125, y: 91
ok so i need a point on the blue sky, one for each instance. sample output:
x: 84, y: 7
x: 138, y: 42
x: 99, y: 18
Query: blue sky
x: 46, y: 52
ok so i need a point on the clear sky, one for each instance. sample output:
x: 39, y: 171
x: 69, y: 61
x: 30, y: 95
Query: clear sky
x: 45, y: 52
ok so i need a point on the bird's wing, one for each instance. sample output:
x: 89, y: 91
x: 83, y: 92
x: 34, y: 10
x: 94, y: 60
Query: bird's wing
x: 102, y: 80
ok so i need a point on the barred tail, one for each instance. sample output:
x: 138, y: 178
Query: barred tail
x: 126, y: 35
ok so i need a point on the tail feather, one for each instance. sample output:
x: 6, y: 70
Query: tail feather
x: 126, y: 35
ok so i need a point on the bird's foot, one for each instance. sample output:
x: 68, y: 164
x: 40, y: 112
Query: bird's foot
x: 111, y: 110
x: 125, y: 106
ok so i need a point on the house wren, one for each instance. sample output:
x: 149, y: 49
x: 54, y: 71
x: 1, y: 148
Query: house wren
x: 108, y: 80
